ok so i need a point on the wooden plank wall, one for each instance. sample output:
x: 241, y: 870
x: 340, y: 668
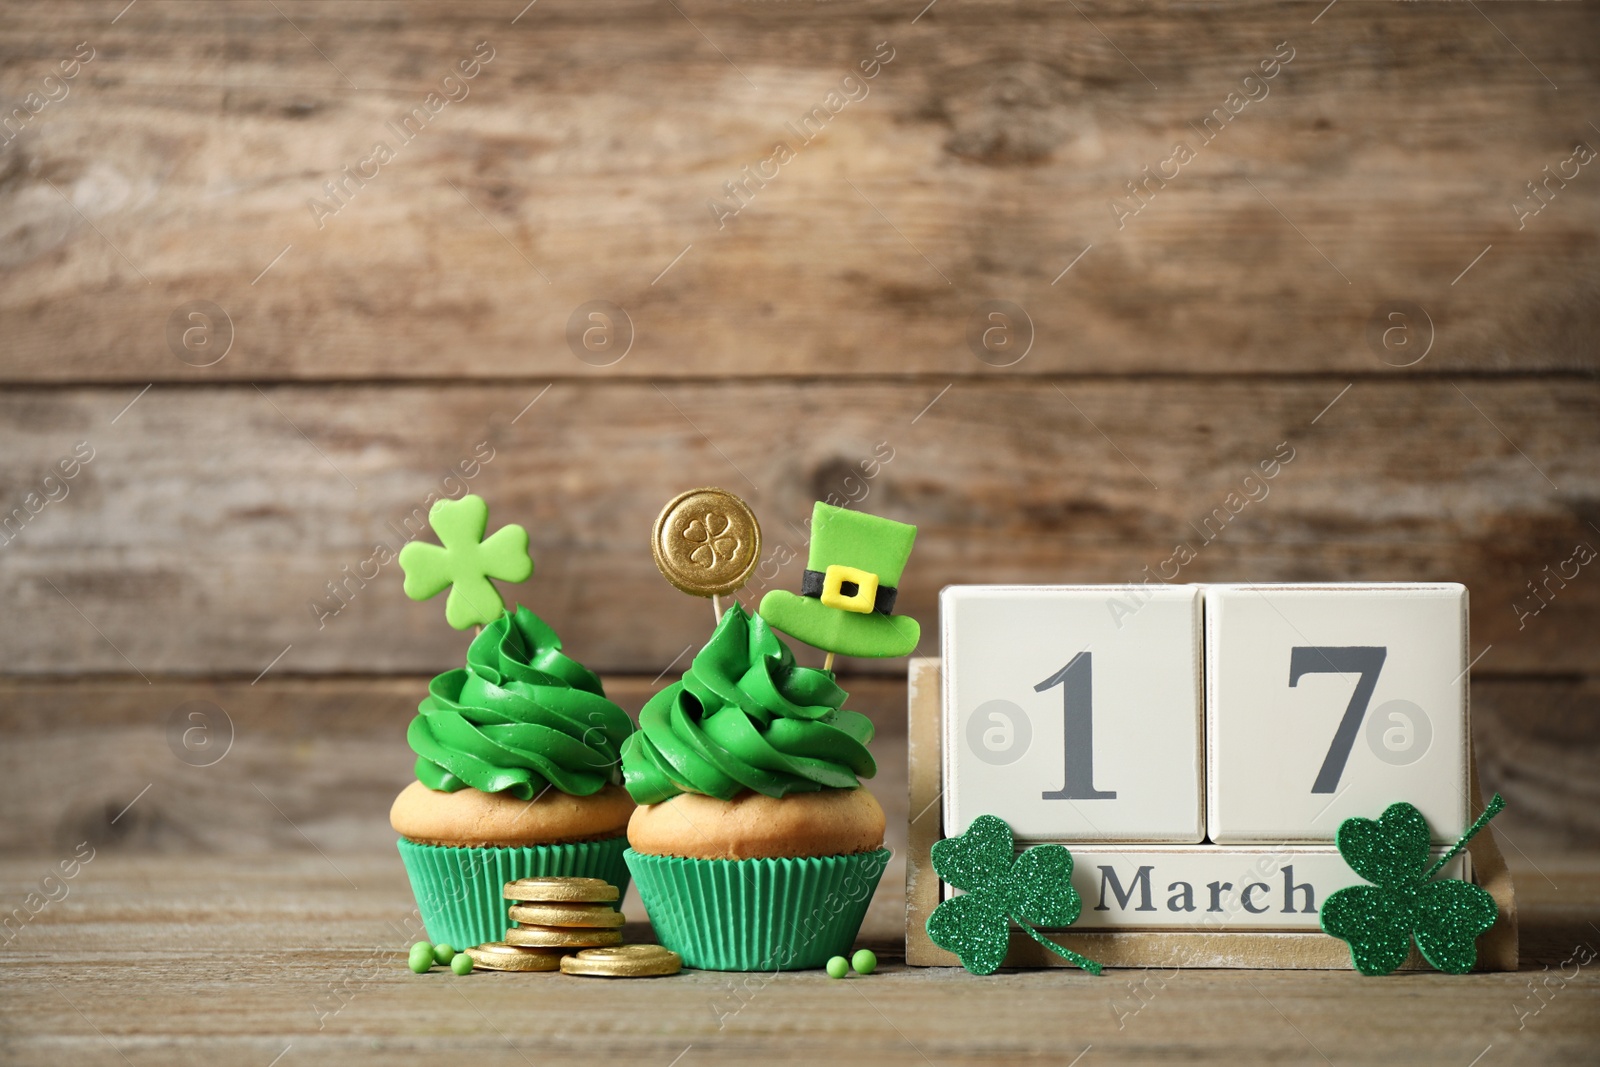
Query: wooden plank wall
x: 817, y: 328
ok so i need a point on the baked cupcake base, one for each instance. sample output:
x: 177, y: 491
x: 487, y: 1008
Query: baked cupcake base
x: 472, y: 819
x: 829, y: 822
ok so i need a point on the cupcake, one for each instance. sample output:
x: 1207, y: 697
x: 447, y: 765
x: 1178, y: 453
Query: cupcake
x: 517, y: 753
x: 754, y: 846
x: 516, y: 777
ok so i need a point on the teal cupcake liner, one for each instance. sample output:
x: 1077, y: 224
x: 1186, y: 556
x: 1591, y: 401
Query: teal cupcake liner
x: 757, y: 915
x: 461, y: 891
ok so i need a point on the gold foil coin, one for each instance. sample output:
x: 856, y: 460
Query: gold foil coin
x: 559, y: 937
x: 623, y: 961
x: 579, y: 915
x: 579, y: 890
x: 498, y: 956
x: 706, y: 542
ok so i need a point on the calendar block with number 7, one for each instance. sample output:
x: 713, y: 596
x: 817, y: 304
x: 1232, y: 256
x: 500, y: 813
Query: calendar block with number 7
x: 1328, y: 701
x: 1074, y: 712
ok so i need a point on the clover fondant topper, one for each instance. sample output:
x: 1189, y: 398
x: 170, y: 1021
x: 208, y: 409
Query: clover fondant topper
x: 1379, y: 921
x: 847, y: 594
x: 466, y: 561
x: 1000, y: 887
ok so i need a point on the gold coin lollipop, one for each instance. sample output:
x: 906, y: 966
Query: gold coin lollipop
x: 706, y: 542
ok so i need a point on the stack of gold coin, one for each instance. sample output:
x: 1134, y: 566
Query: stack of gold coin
x: 563, y: 913
x: 571, y: 925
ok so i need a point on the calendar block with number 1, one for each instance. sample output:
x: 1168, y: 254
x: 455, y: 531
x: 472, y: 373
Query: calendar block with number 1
x: 1074, y: 712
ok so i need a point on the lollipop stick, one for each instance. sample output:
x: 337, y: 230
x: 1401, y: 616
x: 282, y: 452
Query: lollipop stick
x: 716, y: 606
x: 827, y: 664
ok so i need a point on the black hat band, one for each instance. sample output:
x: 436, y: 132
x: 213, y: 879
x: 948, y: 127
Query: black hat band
x: 811, y: 586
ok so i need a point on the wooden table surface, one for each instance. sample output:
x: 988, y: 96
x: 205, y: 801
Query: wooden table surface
x: 229, y: 909
x: 236, y: 910
x: 186, y: 959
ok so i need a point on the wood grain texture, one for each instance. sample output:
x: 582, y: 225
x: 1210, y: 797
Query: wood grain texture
x: 1384, y: 158
x: 284, y: 952
x: 211, y: 522
x: 330, y: 753
x: 290, y: 761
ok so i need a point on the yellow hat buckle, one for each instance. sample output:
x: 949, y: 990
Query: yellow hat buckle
x: 865, y: 598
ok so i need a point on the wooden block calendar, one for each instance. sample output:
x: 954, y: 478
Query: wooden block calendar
x: 1196, y: 747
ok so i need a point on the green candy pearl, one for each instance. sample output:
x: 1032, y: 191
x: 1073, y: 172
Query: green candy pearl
x: 421, y: 957
x: 443, y: 954
x: 461, y: 964
x: 865, y: 961
x: 838, y: 967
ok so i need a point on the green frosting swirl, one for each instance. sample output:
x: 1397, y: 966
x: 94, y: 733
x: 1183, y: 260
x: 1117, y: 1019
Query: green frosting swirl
x: 519, y: 717
x: 746, y: 717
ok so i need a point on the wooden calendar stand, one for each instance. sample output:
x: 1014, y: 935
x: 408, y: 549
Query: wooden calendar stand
x: 1309, y: 950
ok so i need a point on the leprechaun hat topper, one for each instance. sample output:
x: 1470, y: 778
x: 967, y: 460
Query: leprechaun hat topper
x: 847, y: 593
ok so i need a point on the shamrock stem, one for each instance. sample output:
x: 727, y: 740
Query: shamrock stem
x: 1065, y: 953
x: 1495, y: 806
x: 827, y: 663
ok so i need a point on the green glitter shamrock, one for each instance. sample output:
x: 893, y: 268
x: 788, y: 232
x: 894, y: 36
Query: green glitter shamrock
x: 999, y: 887
x: 466, y: 562
x: 1379, y: 920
